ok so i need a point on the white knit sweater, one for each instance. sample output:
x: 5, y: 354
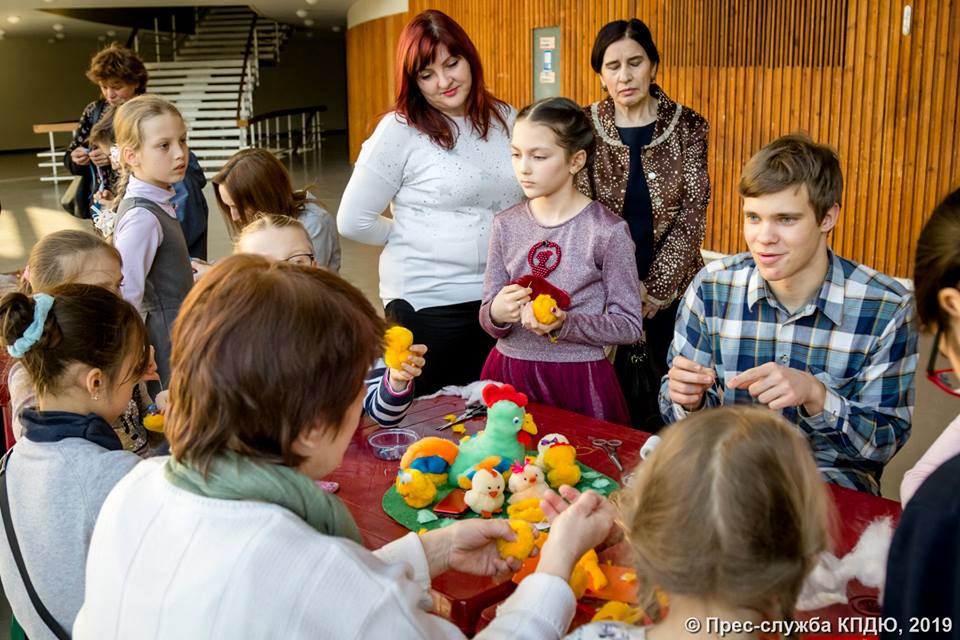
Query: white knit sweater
x: 165, y: 563
x: 443, y: 203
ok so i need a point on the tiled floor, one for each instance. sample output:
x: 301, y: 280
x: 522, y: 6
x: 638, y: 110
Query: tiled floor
x: 31, y: 209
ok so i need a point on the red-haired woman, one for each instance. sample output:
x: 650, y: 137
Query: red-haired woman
x: 441, y: 160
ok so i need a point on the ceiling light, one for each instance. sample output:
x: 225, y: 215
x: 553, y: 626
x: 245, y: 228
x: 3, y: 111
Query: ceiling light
x: 57, y: 27
x: 311, y: 2
x: 48, y: 1
x: 308, y: 22
x: 60, y: 36
x: 13, y: 19
x: 51, y: 40
x: 335, y: 28
x: 111, y: 33
x: 302, y: 13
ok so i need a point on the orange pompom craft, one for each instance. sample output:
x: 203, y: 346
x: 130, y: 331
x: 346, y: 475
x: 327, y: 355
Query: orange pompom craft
x: 543, y: 306
x: 396, y: 346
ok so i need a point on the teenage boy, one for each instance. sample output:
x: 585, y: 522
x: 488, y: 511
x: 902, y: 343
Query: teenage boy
x: 828, y: 342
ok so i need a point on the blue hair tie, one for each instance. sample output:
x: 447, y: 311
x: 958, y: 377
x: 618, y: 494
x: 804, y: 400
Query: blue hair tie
x: 41, y: 307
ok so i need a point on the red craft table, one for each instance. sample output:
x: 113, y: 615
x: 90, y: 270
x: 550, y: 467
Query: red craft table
x: 363, y: 480
x: 470, y: 601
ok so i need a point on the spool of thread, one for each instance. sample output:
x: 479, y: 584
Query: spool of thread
x: 649, y: 446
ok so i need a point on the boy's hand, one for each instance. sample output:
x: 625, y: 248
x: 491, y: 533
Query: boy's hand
x: 779, y: 387
x: 688, y: 381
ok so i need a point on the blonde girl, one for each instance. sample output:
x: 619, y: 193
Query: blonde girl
x: 83, y: 258
x: 389, y: 391
x: 152, y: 139
x: 727, y: 518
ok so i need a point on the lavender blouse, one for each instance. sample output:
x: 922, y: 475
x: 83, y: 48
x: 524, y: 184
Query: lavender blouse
x: 596, y: 267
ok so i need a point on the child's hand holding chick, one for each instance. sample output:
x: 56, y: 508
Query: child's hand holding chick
x: 409, y: 369
x: 528, y: 320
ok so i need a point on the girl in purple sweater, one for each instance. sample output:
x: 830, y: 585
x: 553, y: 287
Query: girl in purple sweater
x: 562, y: 244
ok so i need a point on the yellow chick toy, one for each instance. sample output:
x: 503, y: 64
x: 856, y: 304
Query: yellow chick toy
x: 522, y: 547
x: 619, y: 612
x: 486, y: 492
x: 154, y: 420
x: 415, y: 488
x: 559, y: 461
x: 527, y: 510
x: 543, y: 306
x: 396, y: 346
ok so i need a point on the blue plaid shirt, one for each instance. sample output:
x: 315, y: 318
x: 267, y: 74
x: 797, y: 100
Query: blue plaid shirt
x: 857, y: 337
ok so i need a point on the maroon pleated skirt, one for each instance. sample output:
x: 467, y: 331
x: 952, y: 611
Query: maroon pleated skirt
x: 587, y: 388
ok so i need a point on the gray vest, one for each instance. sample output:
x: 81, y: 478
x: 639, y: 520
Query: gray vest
x: 168, y: 282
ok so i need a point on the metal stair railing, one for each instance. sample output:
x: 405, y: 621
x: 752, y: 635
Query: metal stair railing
x: 280, y: 128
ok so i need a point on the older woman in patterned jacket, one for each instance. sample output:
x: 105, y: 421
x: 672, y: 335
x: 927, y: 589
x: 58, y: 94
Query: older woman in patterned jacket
x: 650, y: 166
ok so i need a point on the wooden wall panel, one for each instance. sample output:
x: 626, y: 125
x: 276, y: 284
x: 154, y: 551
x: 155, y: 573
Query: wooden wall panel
x: 840, y: 70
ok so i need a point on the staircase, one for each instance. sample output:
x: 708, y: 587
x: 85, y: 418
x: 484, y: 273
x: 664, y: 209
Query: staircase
x: 222, y: 34
x: 207, y: 79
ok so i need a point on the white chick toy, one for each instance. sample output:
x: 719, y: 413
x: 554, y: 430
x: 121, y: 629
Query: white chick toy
x: 526, y: 483
x: 486, y: 492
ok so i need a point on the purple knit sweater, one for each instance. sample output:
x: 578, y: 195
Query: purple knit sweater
x: 597, y: 269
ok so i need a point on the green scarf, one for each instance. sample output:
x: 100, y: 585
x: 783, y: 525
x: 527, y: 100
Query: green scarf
x: 235, y: 477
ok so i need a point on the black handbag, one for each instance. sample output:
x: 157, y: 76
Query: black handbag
x: 639, y: 380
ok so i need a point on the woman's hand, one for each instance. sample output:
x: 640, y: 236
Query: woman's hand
x: 506, y: 306
x: 553, y: 503
x: 80, y: 157
x: 99, y: 158
x: 529, y: 320
x: 581, y: 526
x: 649, y: 310
x: 400, y: 378
x: 470, y: 546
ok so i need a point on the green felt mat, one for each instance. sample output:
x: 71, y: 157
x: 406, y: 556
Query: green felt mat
x: 394, y: 506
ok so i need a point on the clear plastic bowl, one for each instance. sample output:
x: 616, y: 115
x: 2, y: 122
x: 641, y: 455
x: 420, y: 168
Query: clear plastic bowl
x: 390, y: 444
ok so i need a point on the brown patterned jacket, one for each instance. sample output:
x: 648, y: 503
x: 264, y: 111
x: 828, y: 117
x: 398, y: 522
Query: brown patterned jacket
x: 675, y: 162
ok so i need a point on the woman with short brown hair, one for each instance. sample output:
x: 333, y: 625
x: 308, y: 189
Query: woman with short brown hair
x: 120, y: 75
x: 268, y: 368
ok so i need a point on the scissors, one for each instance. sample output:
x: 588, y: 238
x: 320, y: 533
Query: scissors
x: 610, y: 448
x: 471, y: 412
